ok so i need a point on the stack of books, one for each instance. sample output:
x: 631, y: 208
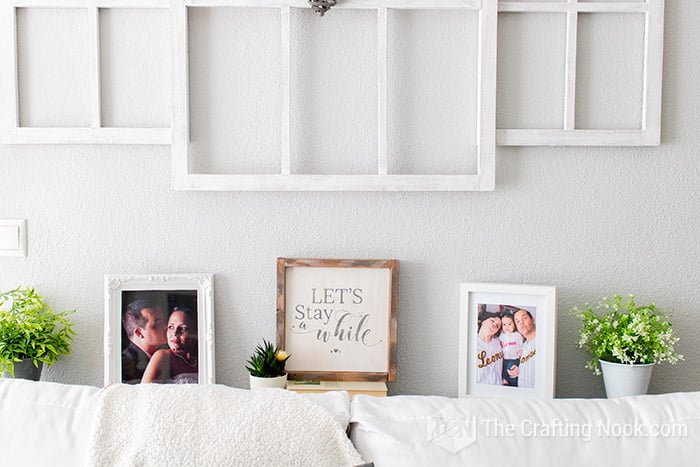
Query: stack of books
x: 370, y: 388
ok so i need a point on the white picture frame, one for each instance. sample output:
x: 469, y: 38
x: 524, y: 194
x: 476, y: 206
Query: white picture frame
x: 481, y: 363
x: 196, y: 291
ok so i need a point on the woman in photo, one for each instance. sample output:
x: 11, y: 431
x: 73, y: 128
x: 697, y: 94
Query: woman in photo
x: 179, y: 363
x: 489, y: 355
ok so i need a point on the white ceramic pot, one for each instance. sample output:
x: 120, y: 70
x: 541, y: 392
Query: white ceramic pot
x: 257, y: 382
x: 623, y: 379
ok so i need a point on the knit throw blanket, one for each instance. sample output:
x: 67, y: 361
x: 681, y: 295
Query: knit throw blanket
x: 214, y: 425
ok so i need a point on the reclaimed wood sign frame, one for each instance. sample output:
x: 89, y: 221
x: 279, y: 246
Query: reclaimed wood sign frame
x: 337, y: 318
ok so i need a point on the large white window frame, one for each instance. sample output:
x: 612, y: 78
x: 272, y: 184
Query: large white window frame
x: 649, y: 133
x: 96, y: 133
x: 286, y: 180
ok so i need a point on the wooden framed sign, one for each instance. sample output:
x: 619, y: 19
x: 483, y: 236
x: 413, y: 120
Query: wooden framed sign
x: 337, y: 318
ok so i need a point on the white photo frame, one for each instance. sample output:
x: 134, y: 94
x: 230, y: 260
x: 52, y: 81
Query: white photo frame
x: 195, y: 291
x: 481, y: 361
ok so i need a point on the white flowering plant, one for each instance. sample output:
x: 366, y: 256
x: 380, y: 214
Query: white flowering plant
x: 621, y: 331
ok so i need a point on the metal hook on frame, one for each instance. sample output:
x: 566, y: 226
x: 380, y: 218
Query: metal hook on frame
x: 321, y: 6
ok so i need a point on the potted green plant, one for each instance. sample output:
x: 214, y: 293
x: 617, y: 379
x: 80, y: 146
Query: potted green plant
x: 31, y: 333
x: 266, y: 366
x: 626, y: 339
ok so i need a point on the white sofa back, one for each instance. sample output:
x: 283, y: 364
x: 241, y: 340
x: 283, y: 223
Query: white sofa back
x: 424, y: 430
x: 50, y: 424
x: 45, y: 424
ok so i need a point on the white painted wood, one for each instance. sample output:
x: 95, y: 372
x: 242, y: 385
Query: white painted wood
x: 9, y: 111
x: 653, y: 71
x: 180, y: 102
x: 28, y: 135
x: 568, y: 134
x: 285, y: 80
x: 89, y: 3
x: 561, y: 137
x: 362, y: 4
x: 308, y: 182
x: 484, y: 179
x: 95, y: 82
x: 570, y: 69
x: 570, y: 6
x: 12, y: 133
x: 486, y: 127
x: 382, y: 84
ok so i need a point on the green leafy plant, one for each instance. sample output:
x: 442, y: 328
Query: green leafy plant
x: 621, y: 331
x: 29, y: 328
x: 267, y: 361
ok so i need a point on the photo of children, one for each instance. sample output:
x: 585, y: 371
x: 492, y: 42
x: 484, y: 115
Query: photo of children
x: 506, y: 349
x: 512, y: 345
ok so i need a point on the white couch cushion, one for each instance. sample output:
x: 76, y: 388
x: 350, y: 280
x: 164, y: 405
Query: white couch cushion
x: 427, y: 430
x: 337, y: 403
x: 45, y: 423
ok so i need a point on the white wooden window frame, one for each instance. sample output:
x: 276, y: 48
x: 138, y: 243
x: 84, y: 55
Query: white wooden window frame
x: 13, y: 133
x: 483, y: 179
x: 649, y: 133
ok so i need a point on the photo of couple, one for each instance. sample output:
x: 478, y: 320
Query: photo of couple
x: 506, y: 348
x: 159, y: 337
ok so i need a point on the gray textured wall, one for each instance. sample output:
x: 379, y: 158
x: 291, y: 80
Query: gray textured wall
x: 590, y: 221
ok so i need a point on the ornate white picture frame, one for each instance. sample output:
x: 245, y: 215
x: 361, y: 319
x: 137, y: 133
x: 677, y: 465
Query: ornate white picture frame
x: 191, y: 294
x: 507, y: 342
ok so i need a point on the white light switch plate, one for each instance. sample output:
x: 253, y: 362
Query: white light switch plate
x: 13, y: 237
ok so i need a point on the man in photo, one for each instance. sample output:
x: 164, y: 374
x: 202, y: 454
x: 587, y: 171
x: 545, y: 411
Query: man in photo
x: 144, y: 324
x: 525, y: 373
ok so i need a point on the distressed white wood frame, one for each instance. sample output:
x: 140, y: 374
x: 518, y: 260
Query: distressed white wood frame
x: 649, y: 133
x: 115, y: 284
x: 483, y: 179
x: 13, y: 133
